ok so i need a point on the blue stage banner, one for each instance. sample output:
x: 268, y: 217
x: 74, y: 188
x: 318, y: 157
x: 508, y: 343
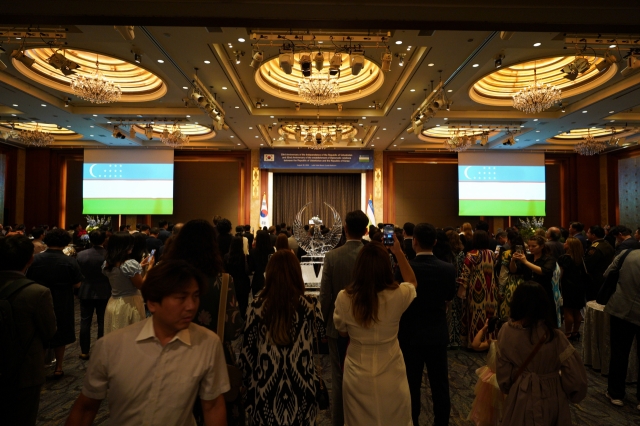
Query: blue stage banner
x: 309, y: 159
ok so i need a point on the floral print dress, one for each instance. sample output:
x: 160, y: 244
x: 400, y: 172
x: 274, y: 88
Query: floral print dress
x: 508, y: 283
x: 477, y: 277
x: 457, y: 337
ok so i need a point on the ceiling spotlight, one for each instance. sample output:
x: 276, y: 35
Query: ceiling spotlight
x: 19, y: 55
x: 319, y: 60
x: 401, y: 58
x: 335, y: 64
x: 305, y: 64
x: 578, y: 66
x: 286, y: 60
x: 386, y: 61
x: 197, y: 97
x: 356, y: 59
x: 256, y: 59
x: 59, y: 61
x: 117, y: 133
x: 137, y: 58
x: 148, y: 131
x: 297, y: 104
x: 66, y: 102
x: 238, y: 54
x: 609, y: 59
x: 259, y: 103
x: 439, y: 101
x: 498, y: 59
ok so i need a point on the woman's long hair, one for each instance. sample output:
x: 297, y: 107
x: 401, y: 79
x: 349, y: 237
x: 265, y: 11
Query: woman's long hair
x: 530, y: 304
x: 481, y: 240
x: 454, y: 241
x: 372, y: 274
x: 118, y: 250
x: 575, y: 250
x: 283, y: 286
x: 197, y: 244
x: 282, y: 242
x: 139, y: 250
x: 236, y: 251
x: 442, y: 249
x: 467, y: 231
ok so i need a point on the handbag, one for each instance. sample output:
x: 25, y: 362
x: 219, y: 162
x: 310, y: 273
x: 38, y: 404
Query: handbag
x: 322, y: 393
x: 611, y: 282
x: 235, y: 375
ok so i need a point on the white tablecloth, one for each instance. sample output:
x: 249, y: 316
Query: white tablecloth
x: 596, y: 346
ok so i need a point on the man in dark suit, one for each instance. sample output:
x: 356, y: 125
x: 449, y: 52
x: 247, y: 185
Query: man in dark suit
x: 623, y: 238
x: 164, y: 233
x: 153, y: 242
x: 575, y: 230
x: 407, y: 243
x: 95, y: 290
x: 337, y: 272
x: 248, y: 235
x: 556, y: 248
x: 597, y: 259
x: 423, y: 334
x: 35, y: 324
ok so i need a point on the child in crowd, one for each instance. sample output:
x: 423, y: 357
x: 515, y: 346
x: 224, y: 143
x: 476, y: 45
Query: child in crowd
x: 487, y: 407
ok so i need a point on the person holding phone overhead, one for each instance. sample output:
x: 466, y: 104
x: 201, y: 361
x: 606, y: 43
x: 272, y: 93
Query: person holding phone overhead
x: 126, y: 305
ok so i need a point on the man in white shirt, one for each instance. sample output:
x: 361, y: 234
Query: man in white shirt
x: 153, y: 370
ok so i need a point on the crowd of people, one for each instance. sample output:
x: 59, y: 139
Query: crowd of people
x: 170, y: 300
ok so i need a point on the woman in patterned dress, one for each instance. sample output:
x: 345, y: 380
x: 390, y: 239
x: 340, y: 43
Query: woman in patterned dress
x: 457, y: 337
x: 508, y: 282
x: 277, y: 349
x: 477, y: 285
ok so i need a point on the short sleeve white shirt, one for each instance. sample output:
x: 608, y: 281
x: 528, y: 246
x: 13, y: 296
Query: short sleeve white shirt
x: 148, y: 384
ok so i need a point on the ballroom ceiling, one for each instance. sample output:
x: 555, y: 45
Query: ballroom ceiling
x: 374, y: 109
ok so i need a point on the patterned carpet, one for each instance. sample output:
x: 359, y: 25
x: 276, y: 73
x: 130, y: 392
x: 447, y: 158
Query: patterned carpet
x: 58, y: 396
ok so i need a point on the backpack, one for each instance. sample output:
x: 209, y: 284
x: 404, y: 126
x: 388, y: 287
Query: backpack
x: 11, y: 354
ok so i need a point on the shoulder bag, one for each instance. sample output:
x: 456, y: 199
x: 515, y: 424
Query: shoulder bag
x: 530, y: 357
x: 235, y: 375
x: 322, y: 393
x: 611, y: 282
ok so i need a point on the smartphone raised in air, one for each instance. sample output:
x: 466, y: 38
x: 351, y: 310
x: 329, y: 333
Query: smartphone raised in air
x: 387, y: 234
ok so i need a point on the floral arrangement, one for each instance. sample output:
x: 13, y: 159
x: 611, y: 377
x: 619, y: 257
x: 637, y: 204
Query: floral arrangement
x: 528, y: 226
x: 96, y: 223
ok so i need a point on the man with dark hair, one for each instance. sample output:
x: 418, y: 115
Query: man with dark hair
x: 153, y: 242
x: 95, y: 290
x: 336, y: 274
x: 423, y: 333
x: 248, y: 235
x: 245, y: 241
x: 272, y: 235
x: 164, y: 233
x: 38, y: 245
x: 407, y: 246
x: 176, y: 228
x: 484, y: 226
x: 29, y: 306
x: 575, y: 230
x: 597, y: 259
x: 153, y: 370
x: 556, y: 248
x: 623, y: 239
x: 636, y: 235
x: 224, y: 235
x: 145, y: 229
x: 124, y: 227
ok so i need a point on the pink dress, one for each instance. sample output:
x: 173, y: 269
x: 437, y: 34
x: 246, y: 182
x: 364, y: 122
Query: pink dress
x: 488, y: 405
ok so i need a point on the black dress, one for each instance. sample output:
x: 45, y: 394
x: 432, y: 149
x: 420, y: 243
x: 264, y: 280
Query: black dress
x: 548, y: 265
x: 239, y: 271
x: 258, y: 265
x: 58, y: 272
x: 573, y: 279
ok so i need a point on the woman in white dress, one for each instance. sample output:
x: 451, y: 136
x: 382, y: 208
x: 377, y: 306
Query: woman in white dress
x: 125, y: 305
x: 375, y: 388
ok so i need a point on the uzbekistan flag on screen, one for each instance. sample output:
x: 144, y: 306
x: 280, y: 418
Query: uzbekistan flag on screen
x: 486, y: 190
x: 140, y: 187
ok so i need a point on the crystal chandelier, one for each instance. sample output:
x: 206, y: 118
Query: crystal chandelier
x: 320, y: 137
x: 457, y: 142
x: 35, y: 137
x: 319, y: 89
x: 536, y: 97
x: 95, y: 88
x: 590, y: 146
x: 174, y: 138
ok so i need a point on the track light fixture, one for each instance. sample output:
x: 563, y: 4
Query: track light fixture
x: 148, y: 131
x: 609, y: 59
x: 386, y: 61
x: 197, y: 97
x: 356, y: 59
x: 498, y: 60
x: 238, y: 54
x: 578, y: 66
x: 305, y: 64
x: 60, y: 62
x: 510, y: 140
x: 259, y: 103
x: 117, y: 133
x: 286, y: 60
x: 19, y: 55
x: 335, y: 63
x: 137, y: 58
x: 319, y: 61
x: 256, y: 59
x: 400, y: 57
x: 66, y: 102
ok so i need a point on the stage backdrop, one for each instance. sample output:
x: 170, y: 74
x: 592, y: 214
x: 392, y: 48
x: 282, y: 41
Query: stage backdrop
x: 291, y: 191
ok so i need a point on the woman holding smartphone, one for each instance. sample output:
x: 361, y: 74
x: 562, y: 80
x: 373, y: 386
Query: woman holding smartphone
x: 508, y: 281
x: 540, y: 265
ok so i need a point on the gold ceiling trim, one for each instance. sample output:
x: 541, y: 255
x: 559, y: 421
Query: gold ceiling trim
x: 440, y: 134
x: 600, y: 133
x: 273, y: 80
x: 137, y: 83
x: 196, y: 132
x: 498, y: 87
x: 58, y: 133
x: 348, y: 131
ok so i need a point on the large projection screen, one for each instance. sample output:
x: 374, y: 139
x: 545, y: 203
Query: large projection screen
x: 501, y: 184
x: 127, y: 181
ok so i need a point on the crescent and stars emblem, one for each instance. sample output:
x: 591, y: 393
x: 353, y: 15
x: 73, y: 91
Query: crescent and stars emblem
x: 91, y: 170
